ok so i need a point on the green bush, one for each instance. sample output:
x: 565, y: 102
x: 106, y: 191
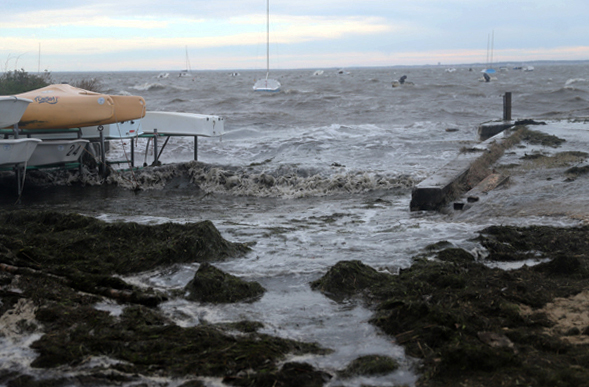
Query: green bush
x: 19, y: 81
x: 90, y: 84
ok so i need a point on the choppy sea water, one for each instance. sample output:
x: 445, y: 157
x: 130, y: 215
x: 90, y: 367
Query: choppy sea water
x: 318, y: 173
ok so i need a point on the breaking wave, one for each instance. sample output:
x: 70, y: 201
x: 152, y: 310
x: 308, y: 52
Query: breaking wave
x: 286, y: 182
x: 148, y: 86
x: 291, y: 182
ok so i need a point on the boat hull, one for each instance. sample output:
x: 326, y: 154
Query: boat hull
x: 183, y: 124
x: 57, y: 152
x: 17, y: 151
x: 127, y: 129
x: 270, y: 85
x: 11, y: 110
x: 64, y: 106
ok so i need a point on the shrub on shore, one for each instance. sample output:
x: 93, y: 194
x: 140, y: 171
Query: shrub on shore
x: 19, y: 81
x: 90, y: 84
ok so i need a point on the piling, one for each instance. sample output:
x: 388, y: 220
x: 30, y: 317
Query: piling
x: 507, y: 107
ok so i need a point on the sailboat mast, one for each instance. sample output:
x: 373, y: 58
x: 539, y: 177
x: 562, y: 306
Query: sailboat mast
x: 267, y: 38
x: 492, y: 45
x: 488, y: 44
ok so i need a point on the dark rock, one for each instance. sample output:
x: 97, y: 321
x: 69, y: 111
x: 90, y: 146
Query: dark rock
x: 213, y: 285
x: 370, y: 365
x: 347, y: 278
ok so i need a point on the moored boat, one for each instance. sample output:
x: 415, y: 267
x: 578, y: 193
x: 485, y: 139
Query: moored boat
x: 266, y: 84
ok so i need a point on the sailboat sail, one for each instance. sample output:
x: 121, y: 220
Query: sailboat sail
x: 267, y: 84
x: 186, y: 73
x: 490, y: 44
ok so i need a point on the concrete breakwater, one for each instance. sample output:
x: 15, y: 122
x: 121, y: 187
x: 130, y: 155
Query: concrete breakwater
x: 520, y: 139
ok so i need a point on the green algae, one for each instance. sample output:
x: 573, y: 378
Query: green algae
x: 213, y: 285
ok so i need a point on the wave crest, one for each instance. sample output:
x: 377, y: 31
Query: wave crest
x: 290, y: 182
x: 285, y: 182
x: 148, y: 86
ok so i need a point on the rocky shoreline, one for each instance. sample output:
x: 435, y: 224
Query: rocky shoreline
x: 54, y: 268
x: 472, y: 325
x: 467, y: 323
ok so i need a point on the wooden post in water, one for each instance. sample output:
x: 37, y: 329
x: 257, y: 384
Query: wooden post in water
x: 507, y: 107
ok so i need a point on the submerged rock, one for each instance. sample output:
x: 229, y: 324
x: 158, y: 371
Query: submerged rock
x: 213, y: 285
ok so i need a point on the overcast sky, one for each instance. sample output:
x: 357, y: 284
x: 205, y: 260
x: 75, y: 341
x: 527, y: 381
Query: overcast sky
x: 78, y: 35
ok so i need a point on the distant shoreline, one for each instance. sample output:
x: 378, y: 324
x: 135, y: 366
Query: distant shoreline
x: 442, y: 65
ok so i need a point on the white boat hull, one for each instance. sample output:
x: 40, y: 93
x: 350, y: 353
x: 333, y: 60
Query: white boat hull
x: 57, y: 152
x: 183, y: 124
x: 12, y: 109
x: 127, y: 129
x: 270, y: 85
x: 17, y: 151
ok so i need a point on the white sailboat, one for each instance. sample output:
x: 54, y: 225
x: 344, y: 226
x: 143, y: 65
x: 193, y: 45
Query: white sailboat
x: 186, y: 73
x: 267, y: 84
x: 490, y: 44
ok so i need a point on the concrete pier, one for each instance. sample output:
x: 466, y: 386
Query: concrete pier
x: 440, y: 188
x: 490, y: 129
x: 436, y: 190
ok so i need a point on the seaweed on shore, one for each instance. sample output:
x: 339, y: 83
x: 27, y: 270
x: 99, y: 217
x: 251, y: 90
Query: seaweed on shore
x: 54, y: 268
x: 148, y: 343
x: 86, y: 254
x: 480, y: 326
x: 64, y: 242
x: 540, y: 138
x: 347, y: 278
x: 213, y: 285
x: 370, y: 365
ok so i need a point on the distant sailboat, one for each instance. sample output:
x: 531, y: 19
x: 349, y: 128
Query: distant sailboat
x: 490, y: 44
x: 186, y: 73
x: 267, y: 84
